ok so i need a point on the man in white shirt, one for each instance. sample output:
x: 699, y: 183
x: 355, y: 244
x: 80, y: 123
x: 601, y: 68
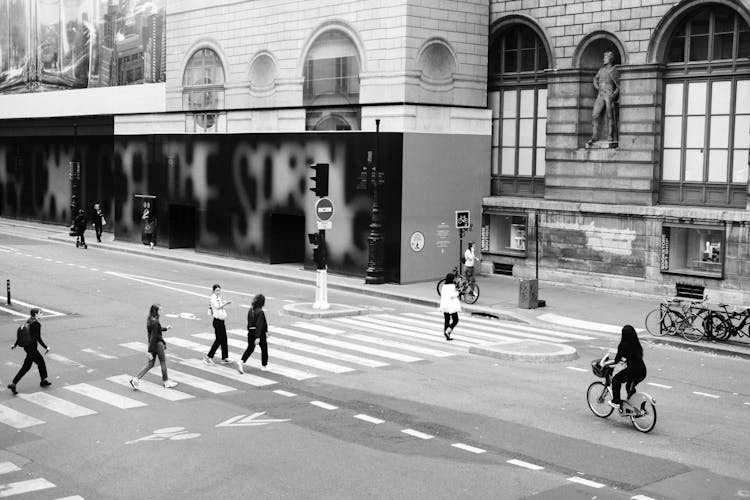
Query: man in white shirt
x: 470, y: 260
x: 216, y: 305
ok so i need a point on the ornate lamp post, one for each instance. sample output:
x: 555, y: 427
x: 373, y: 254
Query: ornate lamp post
x: 370, y: 179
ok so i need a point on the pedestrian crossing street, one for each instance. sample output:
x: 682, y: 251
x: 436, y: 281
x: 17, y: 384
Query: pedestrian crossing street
x: 301, y: 351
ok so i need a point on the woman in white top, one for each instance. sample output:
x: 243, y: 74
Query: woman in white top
x: 450, y: 306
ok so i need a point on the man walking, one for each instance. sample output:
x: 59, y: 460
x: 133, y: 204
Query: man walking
x: 216, y: 306
x: 99, y: 222
x: 32, y: 354
x: 470, y: 259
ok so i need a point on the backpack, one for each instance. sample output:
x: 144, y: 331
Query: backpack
x: 23, y: 336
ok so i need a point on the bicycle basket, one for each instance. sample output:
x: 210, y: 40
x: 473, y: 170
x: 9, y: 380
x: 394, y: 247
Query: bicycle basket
x: 599, y: 371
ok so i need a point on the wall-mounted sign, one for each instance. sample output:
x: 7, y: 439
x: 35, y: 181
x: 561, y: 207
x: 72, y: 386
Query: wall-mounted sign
x: 416, y: 242
x: 485, y: 241
x: 442, y: 233
x: 664, y: 263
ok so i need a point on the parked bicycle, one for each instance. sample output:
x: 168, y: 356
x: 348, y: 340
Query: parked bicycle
x: 468, y: 291
x: 726, y: 323
x: 677, y: 316
x: 639, y: 407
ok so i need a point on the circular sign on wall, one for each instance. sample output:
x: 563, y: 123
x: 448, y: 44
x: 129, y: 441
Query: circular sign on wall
x: 416, y: 241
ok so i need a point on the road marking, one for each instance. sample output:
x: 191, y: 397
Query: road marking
x: 105, y: 396
x: 20, y: 487
x: 16, y: 419
x: 641, y: 497
x: 323, y: 405
x: 64, y: 360
x: 525, y: 465
x: 74, y: 497
x: 94, y: 269
x: 576, y: 368
x: 6, y: 467
x: 286, y: 394
x: 368, y: 418
x: 401, y: 346
x: 585, y: 482
x: 97, y: 353
x: 59, y: 262
x: 747, y: 403
x: 659, y: 385
x: 150, y: 388
x: 713, y: 396
x: 158, y: 282
x: 197, y: 382
x: 318, y: 328
x: 58, y: 405
x: 83, y: 267
x: 420, y: 435
x: 15, y: 313
x: 227, y: 372
x: 579, y: 323
x: 44, y: 309
x: 466, y: 447
x: 357, y: 360
x: 37, y: 257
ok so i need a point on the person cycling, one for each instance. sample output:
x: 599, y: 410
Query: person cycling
x: 628, y: 350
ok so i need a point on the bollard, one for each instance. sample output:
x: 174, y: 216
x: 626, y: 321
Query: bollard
x: 7, y: 287
x: 528, y: 292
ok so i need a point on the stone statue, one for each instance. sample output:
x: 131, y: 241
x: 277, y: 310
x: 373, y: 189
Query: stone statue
x: 607, y: 84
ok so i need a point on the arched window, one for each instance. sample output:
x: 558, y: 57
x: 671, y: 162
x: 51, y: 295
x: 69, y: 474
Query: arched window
x: 203, y: 86
x: 332, y: 82
x: 707, y: 110
x: 518, y: 99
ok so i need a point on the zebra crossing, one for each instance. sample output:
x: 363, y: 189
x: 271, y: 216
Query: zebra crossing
x: 10, y: 487
x: 299, y: 352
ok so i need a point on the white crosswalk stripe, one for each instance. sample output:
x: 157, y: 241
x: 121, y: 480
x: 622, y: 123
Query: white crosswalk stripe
x: 6, y: 467
x: 104, y: 396
x: 422, y: 335
x: 226, y: 372
x: 13, y: 418
x: 150, y: 388
x: 316, y: 327
x: 402, y: 346
x: 197, y: 382
x: 56, y: 404
x: 21, y: 487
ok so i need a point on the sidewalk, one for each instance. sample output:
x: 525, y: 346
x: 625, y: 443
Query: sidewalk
x: 567, y: 305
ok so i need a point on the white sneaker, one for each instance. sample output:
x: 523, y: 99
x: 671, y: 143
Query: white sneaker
x: 208, y: 361
x: 264, y: 368
x: 134, y: 383
x: 170, y: 383
x: 240, y: 368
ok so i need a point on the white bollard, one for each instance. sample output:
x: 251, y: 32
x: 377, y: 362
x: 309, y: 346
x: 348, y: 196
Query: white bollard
x: 321, y: 290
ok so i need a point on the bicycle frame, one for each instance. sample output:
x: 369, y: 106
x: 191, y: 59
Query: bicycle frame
x: 626, y: 408
x: 731, y: 317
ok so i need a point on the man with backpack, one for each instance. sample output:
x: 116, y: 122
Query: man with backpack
x: 28, y: 336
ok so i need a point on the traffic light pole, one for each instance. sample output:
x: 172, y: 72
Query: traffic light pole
x: 321, y: 280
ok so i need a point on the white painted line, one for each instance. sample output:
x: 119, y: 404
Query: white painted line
x: 26, y: 304
x: 64, y: 360
x: 16, y: 419
x: 83, y: 267
x: 525, y: 465
x: 713, y: 396
x: 641, y: 497
x: 15, y: 313
x: 56, y: 404
x: 230, y: 373
x: 71, y: 265
x: 48, y: 260
x: 150, y: 388
x: 466, y: 447
x: 20, y: 487
x: 59, y: 262
x: 400, y: 345
x: 37, y: 257
x: 107, y: 397
x: 97, y: 353
x: 323, y: 405
x: 659, y: 385
x: 747, y: 403
x: 585, y: 482
x: 368, y: 418
x: 74, y: 497
x: 318, y: 328
x: 6, y: 467
x: 197, y: 382
x: 286, y: 394
x: 576, y: 369
x: 579, y: 323
x: 94, y: 269
x: 420, y: 435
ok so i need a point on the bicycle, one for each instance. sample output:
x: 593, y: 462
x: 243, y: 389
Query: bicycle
x: 639, y: 407
x: 723, y: 325
x: 691, y: 320
x: 468, y: 291
x: 663, y: 320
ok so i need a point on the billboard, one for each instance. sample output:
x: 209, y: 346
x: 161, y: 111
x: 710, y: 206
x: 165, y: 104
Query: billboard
x: 68, y: 44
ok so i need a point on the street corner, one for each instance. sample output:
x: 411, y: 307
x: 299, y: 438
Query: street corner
x: 308, y: 310
x: 529, y: 351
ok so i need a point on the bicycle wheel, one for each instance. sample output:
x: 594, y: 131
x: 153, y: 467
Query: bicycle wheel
x: 440, y: 285
x: 717, y: 327
x: 690, y: 332
x: 471, y: 293
x: 655, y: 323
x: 645, y: 420
x: 597, y: 396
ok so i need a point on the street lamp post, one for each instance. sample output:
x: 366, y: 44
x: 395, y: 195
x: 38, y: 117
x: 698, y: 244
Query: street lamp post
x: 75, y: 182
x: 371, y: 179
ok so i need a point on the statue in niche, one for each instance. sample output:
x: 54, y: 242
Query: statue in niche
x: 607, y: 85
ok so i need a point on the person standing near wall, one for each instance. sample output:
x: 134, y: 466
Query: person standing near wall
x: 99, y: 222
x: 148, y: 225
x: 216, y: 307
x: 450, y: 305
x: 470, y: 260
x: 257, y: 329
x: 32, y: 353
x: 156, y: 347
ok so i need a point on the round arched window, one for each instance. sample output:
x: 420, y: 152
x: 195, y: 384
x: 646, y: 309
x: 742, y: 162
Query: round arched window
x: 203, y: 86
x: 707, y: 109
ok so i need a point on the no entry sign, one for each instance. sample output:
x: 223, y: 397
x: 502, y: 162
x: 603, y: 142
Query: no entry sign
x: 324, y: 209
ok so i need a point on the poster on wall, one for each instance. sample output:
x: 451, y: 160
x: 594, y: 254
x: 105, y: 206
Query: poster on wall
x: 664, y: 261
x: 68, y: 44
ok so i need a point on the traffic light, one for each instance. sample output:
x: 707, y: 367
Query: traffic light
x: 320, y: 179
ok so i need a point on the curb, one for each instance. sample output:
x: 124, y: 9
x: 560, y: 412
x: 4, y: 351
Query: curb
x: 555, y: 353
x: 698, y: 347
x: 307, y: 311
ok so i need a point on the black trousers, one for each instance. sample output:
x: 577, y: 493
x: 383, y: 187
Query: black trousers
x: 32, y: 356
x: 262, y: 342
x: 220, y: 330
x: 630, y: 376
x: 98, y: 228
x: 451, y: 320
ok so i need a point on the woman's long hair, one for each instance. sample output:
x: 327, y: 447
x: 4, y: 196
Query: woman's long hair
x: 258, y: 301
x: 153, y: 313
x: 630, y: 339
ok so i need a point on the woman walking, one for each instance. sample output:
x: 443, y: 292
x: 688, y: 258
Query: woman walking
x: 257, y: 328
x: 216, y: 307
x: 450, y: 306
x: 156, y: 347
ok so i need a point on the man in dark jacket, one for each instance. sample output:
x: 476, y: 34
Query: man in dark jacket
x: 80, y: 226
x: 32, y: 353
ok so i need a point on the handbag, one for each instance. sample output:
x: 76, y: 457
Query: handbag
x: 104, y: 221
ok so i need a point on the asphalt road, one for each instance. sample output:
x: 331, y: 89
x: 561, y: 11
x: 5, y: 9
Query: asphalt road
x: 338, y: 418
